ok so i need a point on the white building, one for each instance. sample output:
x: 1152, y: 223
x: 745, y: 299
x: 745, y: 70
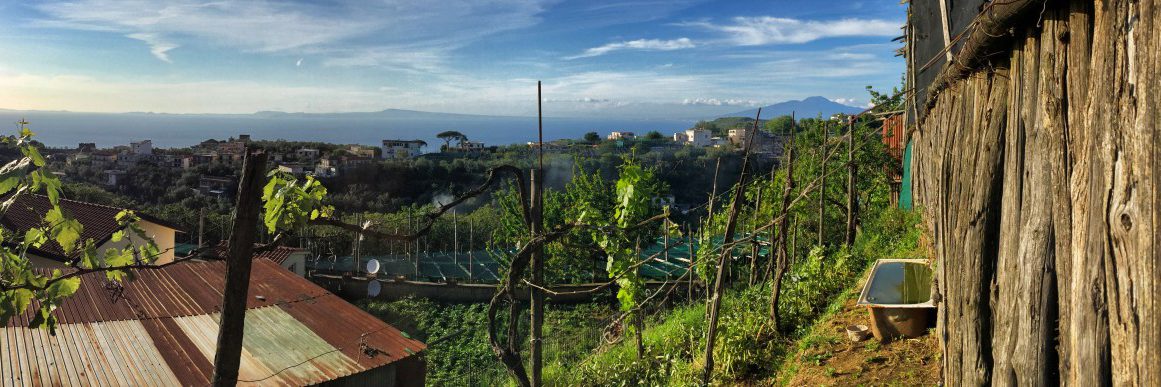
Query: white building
x: 143, y: 147
x: 621, y: 136
x: 402, y: 149
x: 698, y: 137
x: 680, y: 138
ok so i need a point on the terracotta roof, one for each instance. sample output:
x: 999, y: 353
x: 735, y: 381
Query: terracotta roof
x: 278, y: 254
x: 161, y: 329
x: 99, y: 221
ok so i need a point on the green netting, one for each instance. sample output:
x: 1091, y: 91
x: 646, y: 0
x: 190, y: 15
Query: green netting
x: 482, y: 266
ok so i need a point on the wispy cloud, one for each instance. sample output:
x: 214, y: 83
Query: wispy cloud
x: 157, y: 46
x: 639, y: 44
x: 720, y: 102
x: 297, y: 27
x: 764, y: 30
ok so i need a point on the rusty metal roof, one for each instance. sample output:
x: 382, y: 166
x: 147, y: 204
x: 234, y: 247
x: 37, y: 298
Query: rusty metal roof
x: 161, y: 329
x: 278, y: 254
x: 99, y: 221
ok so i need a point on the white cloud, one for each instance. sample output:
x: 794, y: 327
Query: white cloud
x: 846, y: 101
x: 639, y: 44
x: 720, y: 102
x: 261, y: 26
x: 157, y: 46
x: 764, y: 30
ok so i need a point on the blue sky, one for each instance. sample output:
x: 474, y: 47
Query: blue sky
x: 630, y: 58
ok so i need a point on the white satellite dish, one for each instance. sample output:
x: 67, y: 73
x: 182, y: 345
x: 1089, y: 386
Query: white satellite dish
x: 373, y: 266
x: 373, y: 288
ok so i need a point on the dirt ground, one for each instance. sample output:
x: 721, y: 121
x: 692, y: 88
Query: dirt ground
x: 828, y: 358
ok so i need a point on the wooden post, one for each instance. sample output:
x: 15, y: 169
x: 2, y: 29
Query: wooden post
x: 754, y: 234
x: 723, y: 259
x: 233, y: 318
x: 714, y: 191
x: 537, y: 261
x: 852, y: 204
x: 783, y: 260
x: 201, y: 227
x: 822, y: 184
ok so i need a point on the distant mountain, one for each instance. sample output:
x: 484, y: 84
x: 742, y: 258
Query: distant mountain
x: 807, y: 108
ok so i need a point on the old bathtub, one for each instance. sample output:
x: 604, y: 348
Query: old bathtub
x: 898, y: 297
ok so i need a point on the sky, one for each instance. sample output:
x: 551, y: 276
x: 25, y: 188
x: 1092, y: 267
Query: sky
x: 620, y: 58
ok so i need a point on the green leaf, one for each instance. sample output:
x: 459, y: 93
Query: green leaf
x: 63, y: 288
x: 34, y: 154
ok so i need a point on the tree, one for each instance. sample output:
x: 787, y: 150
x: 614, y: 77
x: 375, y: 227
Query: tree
x: 780, y: 124
x: 592, y: 137
x: 449, y: 136
x: 653, y: 135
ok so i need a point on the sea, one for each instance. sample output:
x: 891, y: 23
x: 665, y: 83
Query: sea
x: 67, y: 129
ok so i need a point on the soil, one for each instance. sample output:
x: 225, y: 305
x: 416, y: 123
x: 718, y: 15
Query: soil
x: 828, y: 358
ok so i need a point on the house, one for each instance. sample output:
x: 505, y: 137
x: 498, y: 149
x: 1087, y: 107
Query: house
x: 306, y: 153
x: 698, y: 137
x: 220, y: 186
x: 143, y: 147
x: 114, y: 177
x: 737, y: 136
x: 103, y: 157
x: 362, y: 151
x: 295, y: 169
x: 99, y: 223
x: 161, y: 328
x: 402, y: 149
x: 469, y: 147
x: 290, y: 258
x: 621, y: 136
x: 680, y: 137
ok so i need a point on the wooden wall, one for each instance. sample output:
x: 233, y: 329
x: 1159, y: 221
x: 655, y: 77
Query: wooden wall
x: 1038, y: 176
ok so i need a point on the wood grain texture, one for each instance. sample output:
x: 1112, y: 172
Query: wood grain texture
x: 1037, y: 174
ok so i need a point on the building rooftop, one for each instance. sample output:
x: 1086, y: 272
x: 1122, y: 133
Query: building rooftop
x: 162, y: 327
x: 99, y: 221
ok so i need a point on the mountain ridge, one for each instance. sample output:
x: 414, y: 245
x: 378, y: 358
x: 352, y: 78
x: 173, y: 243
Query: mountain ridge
x: 805, y: 108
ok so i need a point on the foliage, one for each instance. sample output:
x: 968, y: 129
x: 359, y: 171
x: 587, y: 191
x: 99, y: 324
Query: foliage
x: 592, y: 137
x: 21, y: 286
x: 458, y: 353
x: 620, y: 235
x: 289, y: 205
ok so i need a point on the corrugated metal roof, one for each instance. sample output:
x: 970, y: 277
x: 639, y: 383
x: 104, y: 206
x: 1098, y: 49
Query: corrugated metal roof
x: 278, y: 254
x: 161, y: 329
x: 99, y: 221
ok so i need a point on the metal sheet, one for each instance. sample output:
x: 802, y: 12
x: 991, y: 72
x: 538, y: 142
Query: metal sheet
x: 161, y: 329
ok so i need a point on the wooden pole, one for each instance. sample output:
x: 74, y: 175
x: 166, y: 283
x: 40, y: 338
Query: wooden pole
x: 201, y: 227
x: 232, y: 323
x: 783, y: 260
x: 822, y: 184
x: 723, y: 259
x: 714, y: 191
x: 754, y: 234
x: 537, y: 261
x: 852, y: 204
